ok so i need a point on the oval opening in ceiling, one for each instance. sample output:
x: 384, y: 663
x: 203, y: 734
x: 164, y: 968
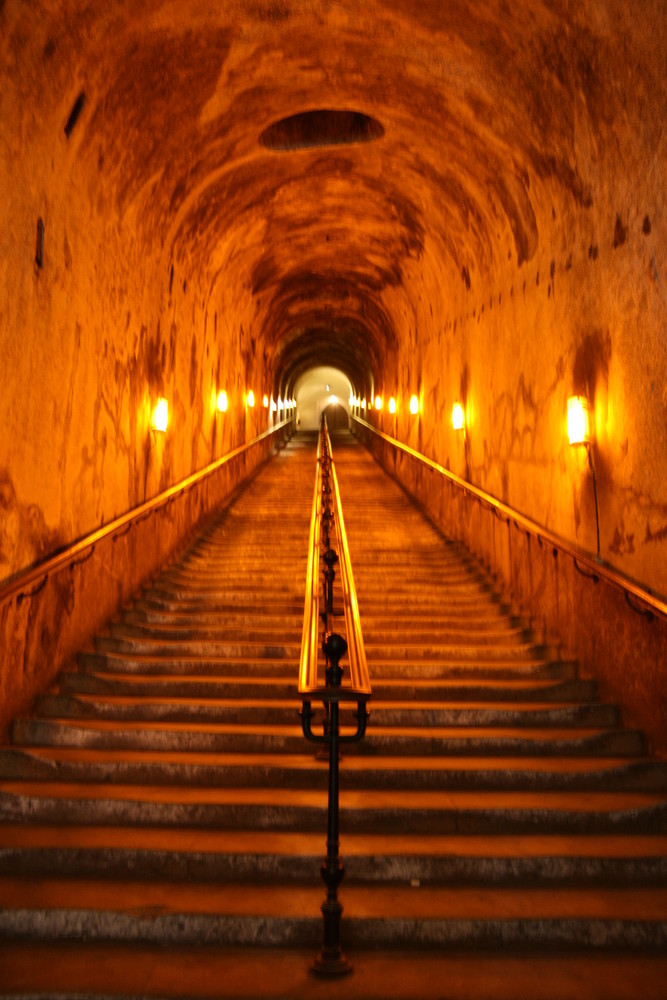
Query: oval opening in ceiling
x: 323, y: 127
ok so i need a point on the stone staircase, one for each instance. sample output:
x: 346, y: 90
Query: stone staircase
x: 163, y: 794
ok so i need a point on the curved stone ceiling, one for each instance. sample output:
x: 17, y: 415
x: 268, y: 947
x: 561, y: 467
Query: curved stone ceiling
x: 474, y: 104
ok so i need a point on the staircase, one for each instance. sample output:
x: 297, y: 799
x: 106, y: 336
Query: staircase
x: 163, y: 796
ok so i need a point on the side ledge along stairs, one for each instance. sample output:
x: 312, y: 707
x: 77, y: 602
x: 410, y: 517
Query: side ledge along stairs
x: 163, y: 792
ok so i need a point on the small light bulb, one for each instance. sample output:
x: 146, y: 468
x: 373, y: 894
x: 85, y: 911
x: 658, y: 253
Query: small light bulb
x: 363, y: 404
x: 578, y: 425
x: 265, y: 402
x: 221, y: 401
x: 458, y: 420
x: 251, y: 398
x: 378, y: 402
x: 160, y: 415
x: 273, y: 405
x: 414, y: 405
x: 392, y: 405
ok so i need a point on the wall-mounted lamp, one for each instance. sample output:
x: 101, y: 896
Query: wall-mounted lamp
x: 265, y: 402
x: 250, y: 398
x: 280, y: 404
x: 392, y: 405
x: 579, y: 433
x: 578, y: 423
x: 273, y: 405
x: 221, y: 401
x: 160, y: 415
x: 363, y: 404
x: 458, y: 417
x: 378, y: 402
x: 414, y: 405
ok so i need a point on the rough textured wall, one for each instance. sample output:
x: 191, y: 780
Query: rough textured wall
x: 577, y: 307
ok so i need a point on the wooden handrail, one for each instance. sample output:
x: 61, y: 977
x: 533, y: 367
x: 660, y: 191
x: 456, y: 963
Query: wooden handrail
x: 35, y: 577
x: 594, y: 567
x: 359, y: 685
x: 359, y: 676
x: 311, y: 610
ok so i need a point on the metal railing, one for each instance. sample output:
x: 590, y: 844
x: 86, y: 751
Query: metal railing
x: 585, y: 563
x: 29, y: 582
x: 326, y: 521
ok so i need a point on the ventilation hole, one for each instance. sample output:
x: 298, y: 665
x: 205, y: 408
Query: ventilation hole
x: 74, y: 114
x: 321, y: 128
x: 39, y: 246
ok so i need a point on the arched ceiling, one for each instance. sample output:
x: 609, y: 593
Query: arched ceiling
x: 476, y: 100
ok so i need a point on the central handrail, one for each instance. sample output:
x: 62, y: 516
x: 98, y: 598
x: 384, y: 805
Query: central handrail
x: 359, y: 678
x: 311, y: 612
x: 327, y: 517
x: 360, y: 681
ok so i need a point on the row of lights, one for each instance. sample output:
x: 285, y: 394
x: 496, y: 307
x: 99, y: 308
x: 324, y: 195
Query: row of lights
x: 160, y: 412
x: 458, y: 416
x: 578, y: 420
x: 378, y: 403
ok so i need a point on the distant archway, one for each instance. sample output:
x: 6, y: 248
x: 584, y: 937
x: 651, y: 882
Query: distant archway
x: 319, y: 390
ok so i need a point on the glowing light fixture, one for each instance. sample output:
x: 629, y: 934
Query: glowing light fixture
x: 273, y: 405
x: 265, y: 402
x: 250, y: 398
x: 578, y: 423
x: 221, y: 401
x: 458, y: 417
x: 280, y: 403
x: 363, y: 404
x: 392, y: 405
x: 160, y: 415
x: 378, y: 402
x: 414, y: 405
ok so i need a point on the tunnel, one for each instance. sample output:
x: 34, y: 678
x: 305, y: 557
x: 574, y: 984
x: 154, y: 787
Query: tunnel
x: 262, y: 211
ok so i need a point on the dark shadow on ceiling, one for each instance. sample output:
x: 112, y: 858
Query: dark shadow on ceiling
x: 323, y: 127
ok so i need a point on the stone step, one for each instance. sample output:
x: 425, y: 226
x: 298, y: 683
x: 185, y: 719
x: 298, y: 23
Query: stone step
x: 391, y: 916
x: 358, y: 771
x: 275, y: 710
x: 221, y: 737
x: 481, y: 669
x: 367, y: 810
x: 258, y: 855
x: 231, y: 686
x: 402, y: 638
x: 123, y: 640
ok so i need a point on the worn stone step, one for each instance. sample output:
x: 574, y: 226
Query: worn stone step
x: 227, y: 737
x: 361, y: 810
x: 257, y: 855
x: 232, y: 686
x: 357, y: 771
x: 276, y: 710
x: 177, y: 647
x: 431, y: 917
x: 481, y: 669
